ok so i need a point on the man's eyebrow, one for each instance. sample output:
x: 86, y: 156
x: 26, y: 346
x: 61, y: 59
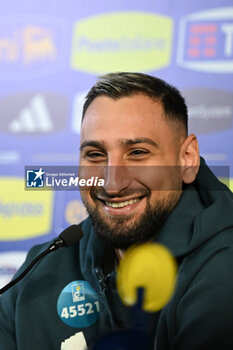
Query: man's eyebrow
x: 122, y: 143
x: 132, y: 142
x: 97, y: 144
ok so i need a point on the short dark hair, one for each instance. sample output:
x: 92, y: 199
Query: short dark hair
x: 117, y: 85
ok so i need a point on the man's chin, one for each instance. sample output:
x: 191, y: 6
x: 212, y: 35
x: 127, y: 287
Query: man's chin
x: 115, y: 220
x: 121, y: 231
x: 117, y: 237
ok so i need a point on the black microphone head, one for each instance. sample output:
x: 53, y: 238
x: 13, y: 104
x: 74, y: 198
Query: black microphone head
x: 71, y: 235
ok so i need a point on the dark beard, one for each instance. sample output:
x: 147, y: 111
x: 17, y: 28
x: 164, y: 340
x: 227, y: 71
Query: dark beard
x: 119, y: 236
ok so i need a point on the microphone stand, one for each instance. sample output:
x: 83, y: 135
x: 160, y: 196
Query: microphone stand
x: 68, y: 237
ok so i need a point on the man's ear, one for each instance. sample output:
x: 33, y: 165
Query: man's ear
x: 190, y: 159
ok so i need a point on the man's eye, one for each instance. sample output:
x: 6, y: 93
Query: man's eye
x: 138, y: 152
x: 94, y: 155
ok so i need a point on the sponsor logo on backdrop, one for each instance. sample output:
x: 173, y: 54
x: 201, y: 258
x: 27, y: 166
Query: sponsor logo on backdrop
x: 9, y: 264
x: 10, y: 157
x: 30, y: 46
x: 78, y: 103
x: 33, y: 113
x: 75, y: 212
x: 210, y: 110
x: 206, y: 41
x: 127, y: 41
x: 23, y: 214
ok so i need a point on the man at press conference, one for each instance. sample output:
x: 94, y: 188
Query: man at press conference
x: 133, y: 121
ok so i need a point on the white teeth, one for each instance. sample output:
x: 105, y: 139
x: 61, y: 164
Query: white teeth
x: 122, y: 204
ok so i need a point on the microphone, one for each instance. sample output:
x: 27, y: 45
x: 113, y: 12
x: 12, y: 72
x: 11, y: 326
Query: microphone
x: 67, y: 238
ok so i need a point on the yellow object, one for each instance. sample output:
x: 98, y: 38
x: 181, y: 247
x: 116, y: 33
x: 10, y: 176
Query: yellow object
x: 23, y: 214
x: 228, y: 182
x: 122, y: 41
x: 152, y: 267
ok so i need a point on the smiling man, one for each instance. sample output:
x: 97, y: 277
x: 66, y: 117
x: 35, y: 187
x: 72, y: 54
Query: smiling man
x: 126, y: 129
x: 157, y: 188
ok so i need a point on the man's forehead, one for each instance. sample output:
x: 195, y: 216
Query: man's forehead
x: 128, y: 111
x: 138, y: 100
x: 125, y: 119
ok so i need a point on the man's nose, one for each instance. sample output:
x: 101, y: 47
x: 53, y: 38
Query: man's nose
x: 117, y: 179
